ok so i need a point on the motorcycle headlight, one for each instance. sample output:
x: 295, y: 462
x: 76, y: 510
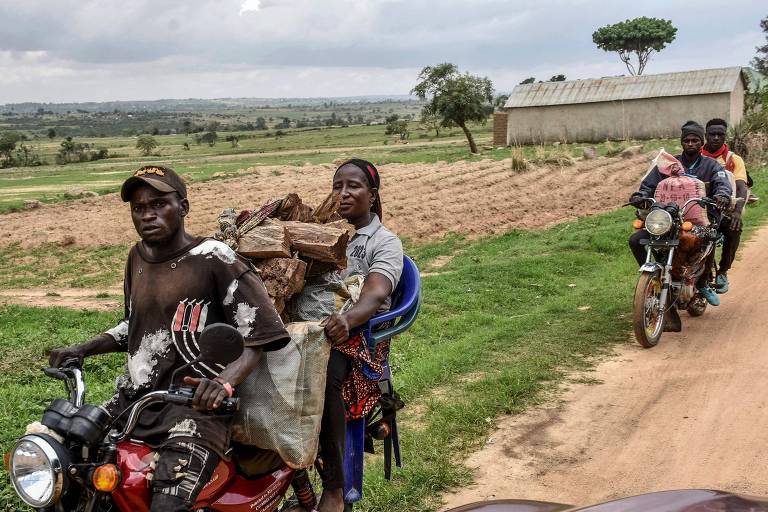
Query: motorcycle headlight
x: 37, y: 471
x: 658, y: 222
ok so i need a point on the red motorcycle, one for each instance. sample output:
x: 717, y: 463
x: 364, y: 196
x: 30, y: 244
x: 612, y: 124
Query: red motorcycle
x: 81, y: 461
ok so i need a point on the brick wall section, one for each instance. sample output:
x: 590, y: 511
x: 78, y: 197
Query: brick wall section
x: 499, y: 129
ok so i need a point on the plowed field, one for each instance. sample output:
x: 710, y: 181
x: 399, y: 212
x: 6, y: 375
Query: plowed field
x: 422, y: 202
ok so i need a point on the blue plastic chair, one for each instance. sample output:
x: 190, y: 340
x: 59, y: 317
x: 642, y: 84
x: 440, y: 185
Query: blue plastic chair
x: 406, y: 302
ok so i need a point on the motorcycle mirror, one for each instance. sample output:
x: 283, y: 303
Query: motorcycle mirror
x: 220, y: 343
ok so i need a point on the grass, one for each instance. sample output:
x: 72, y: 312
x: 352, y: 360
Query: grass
x: 500, y: 326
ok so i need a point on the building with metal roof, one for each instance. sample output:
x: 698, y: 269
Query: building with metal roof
x: 625, y: 107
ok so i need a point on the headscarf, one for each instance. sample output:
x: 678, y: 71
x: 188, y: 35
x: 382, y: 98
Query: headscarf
x: 372, y: 177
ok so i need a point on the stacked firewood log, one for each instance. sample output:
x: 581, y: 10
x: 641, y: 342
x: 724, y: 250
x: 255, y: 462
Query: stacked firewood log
x: 288, y: 241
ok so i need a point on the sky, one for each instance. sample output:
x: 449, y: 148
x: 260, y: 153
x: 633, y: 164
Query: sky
x: 104, y: 50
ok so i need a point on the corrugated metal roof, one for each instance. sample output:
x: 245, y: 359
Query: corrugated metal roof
x: 685, y: 83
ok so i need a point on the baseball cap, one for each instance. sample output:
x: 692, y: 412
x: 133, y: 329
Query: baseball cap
x: 158, y: 177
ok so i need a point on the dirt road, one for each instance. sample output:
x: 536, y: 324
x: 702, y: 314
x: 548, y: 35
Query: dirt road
x: 692, y: 412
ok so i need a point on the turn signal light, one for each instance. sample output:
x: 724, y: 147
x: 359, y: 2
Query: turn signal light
x: 637, y: 224
x: 106, y: 478
x: 687, y: 226
x: 7, y: 461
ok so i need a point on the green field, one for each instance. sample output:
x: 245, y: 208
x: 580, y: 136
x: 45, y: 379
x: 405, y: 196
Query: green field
x: 502, y: 325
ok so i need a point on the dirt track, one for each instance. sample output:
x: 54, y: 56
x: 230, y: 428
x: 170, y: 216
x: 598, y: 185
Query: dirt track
x: 691, y: 412
x: 421, y: 201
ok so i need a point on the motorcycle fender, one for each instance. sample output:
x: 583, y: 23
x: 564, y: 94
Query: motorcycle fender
x: 650, y: 267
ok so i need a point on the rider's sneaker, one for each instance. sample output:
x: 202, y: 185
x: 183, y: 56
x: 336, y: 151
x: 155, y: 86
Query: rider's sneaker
x: 709, y: 294
x: 721, y: 283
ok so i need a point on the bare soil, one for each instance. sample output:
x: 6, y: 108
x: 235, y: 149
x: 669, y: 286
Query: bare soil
x: 76, y: 298
x: 689, y: 413
x: 421, y: 201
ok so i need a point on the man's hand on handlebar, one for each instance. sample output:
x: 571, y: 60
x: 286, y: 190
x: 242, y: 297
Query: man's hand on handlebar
x: 58, y: 356
x: 722, y: 202
x: 209, y: 393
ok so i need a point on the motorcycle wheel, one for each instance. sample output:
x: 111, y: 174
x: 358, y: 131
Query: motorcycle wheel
x: 697, y: 306
x: 647, y: 313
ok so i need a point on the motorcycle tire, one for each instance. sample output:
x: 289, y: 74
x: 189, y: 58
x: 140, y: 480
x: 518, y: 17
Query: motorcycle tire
x: 697, y: 306
x: 648, y: 319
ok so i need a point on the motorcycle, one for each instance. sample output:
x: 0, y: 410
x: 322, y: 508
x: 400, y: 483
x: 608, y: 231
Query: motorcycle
x: 677, y: 255
x: 84, y: 460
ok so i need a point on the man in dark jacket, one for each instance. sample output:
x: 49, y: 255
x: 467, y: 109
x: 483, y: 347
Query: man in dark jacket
x: 702, y: 167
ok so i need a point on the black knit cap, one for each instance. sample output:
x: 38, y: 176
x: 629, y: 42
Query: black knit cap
x: 163, y: 179
x: 692, y: 128
x: 372, y: 176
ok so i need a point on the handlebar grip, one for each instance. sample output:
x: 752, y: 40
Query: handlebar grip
x: 54, y: 373
x: 229, y: 405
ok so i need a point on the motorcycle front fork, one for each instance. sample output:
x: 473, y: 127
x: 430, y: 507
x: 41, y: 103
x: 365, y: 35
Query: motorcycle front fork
x: 666, y: 276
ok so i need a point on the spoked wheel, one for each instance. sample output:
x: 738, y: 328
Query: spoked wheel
x: 697, y: 306
x: 648, y: 314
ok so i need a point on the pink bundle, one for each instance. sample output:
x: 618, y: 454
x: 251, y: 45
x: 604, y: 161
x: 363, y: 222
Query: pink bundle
x: 679, y: 188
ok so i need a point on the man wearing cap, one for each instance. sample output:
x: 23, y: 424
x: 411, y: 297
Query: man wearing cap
x: 717, y: 185
x: 176, y: 284
x: 730, y: 227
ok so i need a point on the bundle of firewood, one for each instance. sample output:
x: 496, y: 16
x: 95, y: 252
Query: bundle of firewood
x: 288, y: 241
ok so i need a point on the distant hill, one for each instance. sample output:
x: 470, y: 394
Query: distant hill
x: 196, y: 105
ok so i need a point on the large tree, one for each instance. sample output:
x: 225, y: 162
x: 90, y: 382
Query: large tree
x: 639, y: 37
x: 457, y: 99
x: 761, y: 59
x: 146, y: 144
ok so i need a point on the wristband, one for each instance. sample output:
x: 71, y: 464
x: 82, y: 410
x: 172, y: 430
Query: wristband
x: 227, y: 386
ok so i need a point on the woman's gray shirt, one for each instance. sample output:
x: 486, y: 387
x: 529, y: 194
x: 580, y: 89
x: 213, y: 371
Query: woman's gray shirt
x: 374, y: 248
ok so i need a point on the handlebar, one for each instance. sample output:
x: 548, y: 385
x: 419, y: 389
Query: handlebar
x: 180, y: 396
x: 72, y: 376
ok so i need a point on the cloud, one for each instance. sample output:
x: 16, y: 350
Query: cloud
x: 97, y: 46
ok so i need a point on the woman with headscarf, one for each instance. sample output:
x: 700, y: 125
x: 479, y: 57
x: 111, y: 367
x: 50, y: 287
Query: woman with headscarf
x: 377, y: 254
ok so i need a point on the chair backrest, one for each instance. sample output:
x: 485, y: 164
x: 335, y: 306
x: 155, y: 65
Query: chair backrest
x: 406, y: 302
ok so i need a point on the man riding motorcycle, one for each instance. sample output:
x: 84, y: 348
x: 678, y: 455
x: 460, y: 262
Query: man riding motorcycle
x: 176, y: 284
x: 718, y: 188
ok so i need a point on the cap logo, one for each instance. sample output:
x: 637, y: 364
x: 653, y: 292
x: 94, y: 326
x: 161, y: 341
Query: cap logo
x: 150, y: 170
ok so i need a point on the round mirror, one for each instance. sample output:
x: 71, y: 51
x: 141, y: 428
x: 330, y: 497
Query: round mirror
x: 220, y: 343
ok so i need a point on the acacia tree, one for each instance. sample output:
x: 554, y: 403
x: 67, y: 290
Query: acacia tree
x: 639, y: 37
x: 146, y: 143
x: 761, y: 59
x: 455, y: 98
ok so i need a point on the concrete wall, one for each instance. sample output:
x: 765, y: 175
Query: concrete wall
x: 631, y: 119
x: 737, y: 104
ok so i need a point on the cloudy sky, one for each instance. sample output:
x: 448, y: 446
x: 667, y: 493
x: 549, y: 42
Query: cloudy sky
x: 97, y: 50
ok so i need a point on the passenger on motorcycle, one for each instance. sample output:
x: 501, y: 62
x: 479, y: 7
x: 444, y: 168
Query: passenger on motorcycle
x: 376, y: 253
x: 702, y: 167
x: 730, y: 226
x: 176, y: 284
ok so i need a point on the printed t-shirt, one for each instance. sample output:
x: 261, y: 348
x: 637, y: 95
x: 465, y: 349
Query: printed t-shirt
x: 374, y: 248
x: 168, y: 303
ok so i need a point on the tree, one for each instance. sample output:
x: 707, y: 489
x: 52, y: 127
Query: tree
x: 761, y: 59
x: 430, y: 120
x: 529, y: 80
x: 639, y: 36
x: 499, y: 101
x: 397, y: 126
x: 557, y: 78
x: 146, y: 143
x: 210, y: 138
x: 51, y: 133
x: 7, y: 145
x: 456, y: 98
